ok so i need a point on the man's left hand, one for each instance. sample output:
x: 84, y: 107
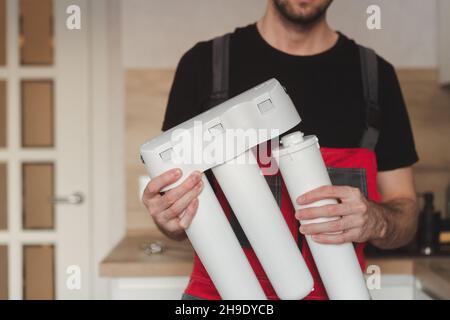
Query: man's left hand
x: 359, y: 220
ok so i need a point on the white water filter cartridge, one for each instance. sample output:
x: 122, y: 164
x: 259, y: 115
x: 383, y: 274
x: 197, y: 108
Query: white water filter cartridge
x: 302, y: 168
x: 220, y: 252
x: 258, y: 213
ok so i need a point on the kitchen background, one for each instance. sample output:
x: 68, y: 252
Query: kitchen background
x: 131, y: 50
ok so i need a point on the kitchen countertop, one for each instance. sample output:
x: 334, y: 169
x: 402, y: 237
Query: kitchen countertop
x: 432, y: 272
x: 129, y: 259
x: 434, y: 275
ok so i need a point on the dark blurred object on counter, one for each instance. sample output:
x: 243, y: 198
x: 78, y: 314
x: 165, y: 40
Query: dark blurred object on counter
x: 429, y: 226
x: 444, y: 236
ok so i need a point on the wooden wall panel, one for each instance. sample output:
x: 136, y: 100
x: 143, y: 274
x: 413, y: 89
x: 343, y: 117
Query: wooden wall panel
x: 38, y: 190
x: 3, y: 115
x: 38, y: 272
x: 3, y: 32
x: 37, y: 113
x: 3, y: 197
x: 3, y: 272
x: 146, y: 100
x: 36, y: 32
x: 428, y: 106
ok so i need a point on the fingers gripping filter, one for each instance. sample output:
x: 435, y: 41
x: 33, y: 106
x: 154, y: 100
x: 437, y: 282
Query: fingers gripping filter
x: 220, y: 138
x: 302, y: 167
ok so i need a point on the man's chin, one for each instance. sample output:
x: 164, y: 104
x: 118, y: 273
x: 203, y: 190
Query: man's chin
x: 303, y: 13
x: 305, y: 18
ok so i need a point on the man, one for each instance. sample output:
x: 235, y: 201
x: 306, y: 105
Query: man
x: 325, y: 74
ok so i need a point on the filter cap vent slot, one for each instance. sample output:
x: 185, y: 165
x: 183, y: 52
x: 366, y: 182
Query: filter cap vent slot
x: 265, y: 106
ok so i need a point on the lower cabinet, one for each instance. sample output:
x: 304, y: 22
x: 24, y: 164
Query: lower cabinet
x: 155, y: 288
x: 397, y: 287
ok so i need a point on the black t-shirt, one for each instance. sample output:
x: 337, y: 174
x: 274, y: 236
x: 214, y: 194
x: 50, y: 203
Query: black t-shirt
x: 326, y: 89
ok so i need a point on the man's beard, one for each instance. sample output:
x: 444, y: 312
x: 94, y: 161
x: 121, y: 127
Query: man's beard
x: 316, y: 13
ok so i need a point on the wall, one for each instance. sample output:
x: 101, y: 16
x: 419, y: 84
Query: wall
x: 408, y: 37
x: 157, y: 32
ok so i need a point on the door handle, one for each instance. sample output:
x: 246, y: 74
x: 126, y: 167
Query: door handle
x: 75, y: 198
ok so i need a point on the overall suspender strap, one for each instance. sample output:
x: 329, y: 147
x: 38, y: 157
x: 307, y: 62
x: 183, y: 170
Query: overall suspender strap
x: 369, y: 73
x: 220, y: 69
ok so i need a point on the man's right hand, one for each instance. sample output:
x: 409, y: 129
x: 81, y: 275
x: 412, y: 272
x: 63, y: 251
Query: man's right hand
x: 174, y: 210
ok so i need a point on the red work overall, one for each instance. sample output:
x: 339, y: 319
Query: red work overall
x: 356, y: 167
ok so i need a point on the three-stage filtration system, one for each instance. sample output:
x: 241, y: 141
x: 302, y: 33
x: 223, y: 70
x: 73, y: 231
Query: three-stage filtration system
x: 224, y: 140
